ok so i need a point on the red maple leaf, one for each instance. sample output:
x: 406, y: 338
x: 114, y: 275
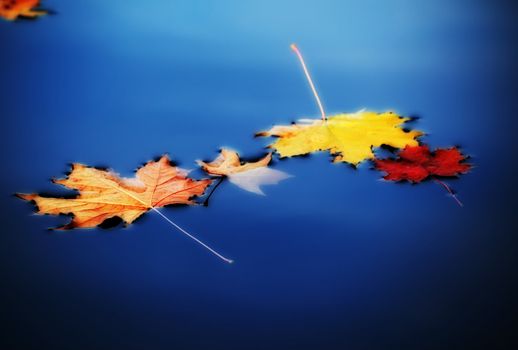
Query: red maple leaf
x: 417, y: 163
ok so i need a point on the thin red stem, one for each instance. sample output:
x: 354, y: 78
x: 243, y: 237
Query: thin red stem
x: 449, y: 190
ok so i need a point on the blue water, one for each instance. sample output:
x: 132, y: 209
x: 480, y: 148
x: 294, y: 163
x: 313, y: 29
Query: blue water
x: 332, y: 258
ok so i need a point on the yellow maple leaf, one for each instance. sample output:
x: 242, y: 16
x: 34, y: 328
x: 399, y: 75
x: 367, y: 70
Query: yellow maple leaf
x: 12, y: 9
x: 103, y: 194
x: 349, y: 137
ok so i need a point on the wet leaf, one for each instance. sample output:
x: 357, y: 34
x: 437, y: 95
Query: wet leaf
x: 416, y: 164
x: 104, y: 195
x: 249, y: 176
x: 348, y: 137
x: 13, y: 9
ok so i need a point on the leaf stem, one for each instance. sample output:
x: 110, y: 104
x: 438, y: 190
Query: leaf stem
x: 206, y: 202
x: 308, y: 76
x: 443, y: 184
x: 230, y: 261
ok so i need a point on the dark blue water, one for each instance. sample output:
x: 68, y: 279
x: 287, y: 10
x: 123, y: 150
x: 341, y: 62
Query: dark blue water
x: 330, y: 259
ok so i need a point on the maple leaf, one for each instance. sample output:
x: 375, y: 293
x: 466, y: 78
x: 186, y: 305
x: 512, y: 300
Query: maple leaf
x: 249, y: 176
x: 349, y: 137
x: 415, y: 164
x: 104, y: 195
x: 12, y: 9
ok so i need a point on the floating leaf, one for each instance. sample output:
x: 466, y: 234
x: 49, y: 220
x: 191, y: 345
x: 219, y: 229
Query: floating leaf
x: 349, y: 137
x: 249, y: 176
x: 415, y: 164
x: 12, y: 9
x: 103, y: 194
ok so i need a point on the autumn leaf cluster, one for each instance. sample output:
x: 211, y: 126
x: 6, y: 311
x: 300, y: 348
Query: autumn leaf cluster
x: 350, y: 138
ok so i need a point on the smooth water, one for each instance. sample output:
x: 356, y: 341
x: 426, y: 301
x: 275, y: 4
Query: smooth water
x: 332, y: 258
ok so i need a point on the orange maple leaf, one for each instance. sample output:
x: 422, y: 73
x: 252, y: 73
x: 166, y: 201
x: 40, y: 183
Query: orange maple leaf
x: 103, y: 194
x: 228, y: 163
x: 249, y: 176
x: 12, y: 9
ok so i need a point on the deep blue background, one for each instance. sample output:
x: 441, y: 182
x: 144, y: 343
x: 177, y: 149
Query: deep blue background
x: 330, y: 259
